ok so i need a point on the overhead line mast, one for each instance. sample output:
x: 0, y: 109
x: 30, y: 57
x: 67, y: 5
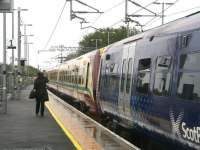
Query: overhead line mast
x: 74, y: 14
x: 128, y: 16
x: 163, y: 9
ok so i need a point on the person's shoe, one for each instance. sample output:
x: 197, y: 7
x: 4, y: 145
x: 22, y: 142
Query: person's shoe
x: 36, y: 115
x: 42, y: 115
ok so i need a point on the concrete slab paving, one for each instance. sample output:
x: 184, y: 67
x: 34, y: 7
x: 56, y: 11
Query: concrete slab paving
x: 20, y: 129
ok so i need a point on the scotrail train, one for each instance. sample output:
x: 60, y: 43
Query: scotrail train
x: 150, y: 81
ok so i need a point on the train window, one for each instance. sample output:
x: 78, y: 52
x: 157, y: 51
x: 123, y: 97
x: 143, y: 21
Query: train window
x: 144, y: 64
x: 105, y: 76
x: 70, y: 77
x: 100, y: 76
x: 63, y: 75
x: 162, y: 76
x: 143, y: 77
x: 79, y: 79
x: 163, y: 63
x: 82, y: 80
x: 162, y: 84
x: 83, y: 76
x: 188, y: 86
x: 189, y: 77
x: 190, y: 61
x: 87, y: 75
x: 129, y: 72
x: 67, y: 74
x: 59, y: 78
x: 75, y: 78
x: 123, y: 75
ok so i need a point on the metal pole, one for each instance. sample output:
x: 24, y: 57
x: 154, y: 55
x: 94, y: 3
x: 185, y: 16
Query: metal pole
x: 71, y: 17
x: 25, y: 68
x: 108, y: 37
x: 126, y: 11
x: 61, y: 56
x: 126, y: 16
x: 25, y: 43
x: 28, y: 55
x: 128, y: 29
x: 163, y: 6
x: 19, y: 49
x: 13, y: 57
x: 96, y: 43
x: 28, y: 60
x: 4, y: 96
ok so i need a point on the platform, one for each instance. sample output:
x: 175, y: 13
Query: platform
x: 20, y: 129
x: 83, y: 131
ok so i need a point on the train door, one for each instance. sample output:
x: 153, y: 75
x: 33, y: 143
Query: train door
x: 126, y: 80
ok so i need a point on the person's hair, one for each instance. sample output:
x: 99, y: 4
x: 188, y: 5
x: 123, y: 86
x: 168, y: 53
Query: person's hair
x: 40, y: 75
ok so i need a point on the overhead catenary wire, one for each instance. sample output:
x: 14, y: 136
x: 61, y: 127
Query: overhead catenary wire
x: 106, y: 11
x: 151, y: 21
x: 122, y: 20
x: 54, y: 29
x: 183, y: 11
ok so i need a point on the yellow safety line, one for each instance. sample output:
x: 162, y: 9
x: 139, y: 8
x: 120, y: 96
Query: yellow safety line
x: 76, y: 144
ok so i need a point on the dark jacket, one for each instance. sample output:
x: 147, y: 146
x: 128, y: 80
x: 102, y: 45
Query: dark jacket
x: 41, y: 88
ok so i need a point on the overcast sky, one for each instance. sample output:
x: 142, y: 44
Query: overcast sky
x: 43, y: 15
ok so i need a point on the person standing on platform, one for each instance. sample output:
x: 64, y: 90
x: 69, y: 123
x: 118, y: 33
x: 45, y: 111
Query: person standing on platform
x: 41, y: 92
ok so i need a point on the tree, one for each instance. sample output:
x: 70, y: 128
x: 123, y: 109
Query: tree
x: 88, y: 43
x: 115, y: 35
x: 31, y: 71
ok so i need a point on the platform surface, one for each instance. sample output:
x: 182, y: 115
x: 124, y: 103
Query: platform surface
x: 20, y: 129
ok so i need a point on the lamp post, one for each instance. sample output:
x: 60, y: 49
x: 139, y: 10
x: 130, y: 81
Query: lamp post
x: 26, y: 39
x: 109, y: 36
x: 25, y: 67
x: 96, y: 42
x: 28, y: 56
x: 29, y: 43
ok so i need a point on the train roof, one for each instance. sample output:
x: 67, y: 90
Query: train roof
x: 181, y: 25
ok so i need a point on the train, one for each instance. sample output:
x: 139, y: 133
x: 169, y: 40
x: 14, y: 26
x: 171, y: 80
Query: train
x: 77, y: 79
x: 149, y: 82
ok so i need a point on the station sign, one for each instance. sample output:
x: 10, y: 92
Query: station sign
x: 6, y: 6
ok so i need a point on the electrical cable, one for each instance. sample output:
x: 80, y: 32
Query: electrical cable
x: 172, y: 14
x: 54, y: 29
x: 106, y: 11
x: 144, y: 6
x: 155, y: 18
x: 121, y: 20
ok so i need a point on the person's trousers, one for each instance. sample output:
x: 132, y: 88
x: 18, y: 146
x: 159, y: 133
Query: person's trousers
x: 38, y: 105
